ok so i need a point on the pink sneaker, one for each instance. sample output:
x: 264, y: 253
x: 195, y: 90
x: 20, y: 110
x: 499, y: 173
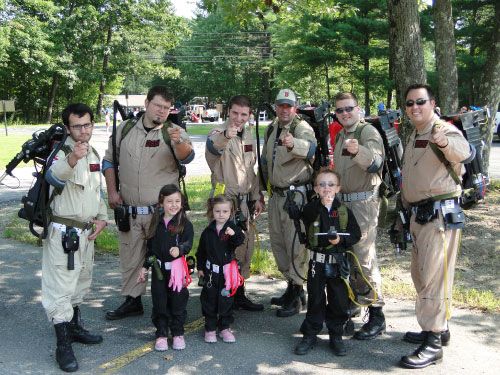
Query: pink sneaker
x: 210, y: 337
x: 178, y: 343
x: 161, y: 344
x: 227, y: 335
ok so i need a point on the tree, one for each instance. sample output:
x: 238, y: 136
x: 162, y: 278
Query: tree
x: 445, y: 56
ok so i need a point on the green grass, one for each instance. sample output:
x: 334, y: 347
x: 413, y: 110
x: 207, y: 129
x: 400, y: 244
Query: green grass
x: 11, y: 145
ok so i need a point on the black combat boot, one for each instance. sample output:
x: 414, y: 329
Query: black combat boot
x: 306, y: 344
x: 292, y: 303
x: 243, y: 302
x: 427, y: 354
x: 375, y: 325
x: 337, y: 345
x: 131, y: 307
x: 279, y: 301
x: 64, y: 352
x: 418, y: 337
x: 80, y: 334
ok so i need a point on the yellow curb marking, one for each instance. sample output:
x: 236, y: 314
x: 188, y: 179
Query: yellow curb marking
x: 124, y: 360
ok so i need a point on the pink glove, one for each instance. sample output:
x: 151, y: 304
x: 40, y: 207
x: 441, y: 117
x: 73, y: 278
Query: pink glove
x: 232, y: 277
x: 177, y: 274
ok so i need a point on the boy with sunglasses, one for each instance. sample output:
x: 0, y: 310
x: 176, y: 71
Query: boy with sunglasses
x: 328, y: 265
x: 358, y: 161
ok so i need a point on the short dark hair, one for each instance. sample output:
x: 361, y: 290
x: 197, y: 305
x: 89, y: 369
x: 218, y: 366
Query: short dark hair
x: 78, y: 109
x: 346, y: 95
x: 327, y: 170
x: 421, y: 86
x: 221, y: 198
x: 163, y: 91
x: 241, y: 100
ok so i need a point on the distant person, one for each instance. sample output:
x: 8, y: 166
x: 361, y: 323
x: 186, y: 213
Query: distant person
x: 146, y: 163
x: 78, y: 215
x: 381, y: 108
x: 217, y: 267
x: 107, y: 120
x: 463, y: 109
x: 169, y: 239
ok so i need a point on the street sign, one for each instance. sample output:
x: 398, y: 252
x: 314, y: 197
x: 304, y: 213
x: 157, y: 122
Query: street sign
x: 9, y: 106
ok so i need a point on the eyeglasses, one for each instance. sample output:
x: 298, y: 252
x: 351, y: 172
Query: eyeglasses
x: 161, y: 107
x: 324, y: 184
x: 88, y: 125
x: 347, y: 109
x: 410, y: 103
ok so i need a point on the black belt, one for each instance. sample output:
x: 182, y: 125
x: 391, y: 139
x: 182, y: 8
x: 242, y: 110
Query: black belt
x: 71, y: 223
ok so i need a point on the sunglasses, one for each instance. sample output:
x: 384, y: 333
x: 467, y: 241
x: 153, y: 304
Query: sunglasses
x: 324, y: 184
x: 347, y: 109
x: 410, y: 103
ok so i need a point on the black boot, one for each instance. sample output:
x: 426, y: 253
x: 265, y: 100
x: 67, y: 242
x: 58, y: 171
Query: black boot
x: 337, y: 345
x: 78, y: 333
x: 291, y: 306
x: 306, y: 344
x: 131, y: 307
x: 279, y: 301
x: 64, y: 352
x: 375, y: 325
x: 427, y: 354
x: 243, y: 302
x: 418, y: 337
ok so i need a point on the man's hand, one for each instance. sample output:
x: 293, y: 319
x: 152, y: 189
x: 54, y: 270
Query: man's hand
x: 175, y: 134
x: 260, y: 206
x: 80, y: 150
x: 287, y: 141
x: 335, y: 241
x: 439, y: 137
x: 99, y: 226
x: 352, y: 146
x: 114, y: 199
x: 143, y: 273
x: 231, y: 131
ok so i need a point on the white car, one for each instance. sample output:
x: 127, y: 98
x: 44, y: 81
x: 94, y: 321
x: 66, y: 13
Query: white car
x: 496, y: 129
x: 211, y: 115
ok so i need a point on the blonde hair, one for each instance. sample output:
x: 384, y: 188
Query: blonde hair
x: 326, y: 170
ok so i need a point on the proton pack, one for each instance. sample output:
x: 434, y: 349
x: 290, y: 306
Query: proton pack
x: 474, y: 181
x: 42, y: 149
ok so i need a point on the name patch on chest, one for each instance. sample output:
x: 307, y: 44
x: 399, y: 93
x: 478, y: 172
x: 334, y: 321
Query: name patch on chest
x: 95, y: 167
x: 334, y: 213
x: 421, y: 143
x: 248, y: 148
x: 153, y: 143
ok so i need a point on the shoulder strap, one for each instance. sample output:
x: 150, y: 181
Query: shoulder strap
x: 343, y: 216
x: 359, y: 129
x: 439, y: 154
x: 127, y: 127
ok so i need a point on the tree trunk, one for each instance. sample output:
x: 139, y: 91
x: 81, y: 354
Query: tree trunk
x: 391, y: 77
x: 489, y: 89
x: 445, y: 56
x: 103, y: 80
x: 404, y: 38
x: 52, y: 95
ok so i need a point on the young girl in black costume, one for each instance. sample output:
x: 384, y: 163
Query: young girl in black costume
x: 170, y: 237
x: 215, y: 258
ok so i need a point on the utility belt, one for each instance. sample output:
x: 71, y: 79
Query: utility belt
x: 428, y: 209
x: 61, y: 223
x: 359, y: 196
x: 215, y: 268
x: 123, y: 211
x: 322, y: 257
x: 304, y: 188
x: 165, y: 265
x: 140, y: 210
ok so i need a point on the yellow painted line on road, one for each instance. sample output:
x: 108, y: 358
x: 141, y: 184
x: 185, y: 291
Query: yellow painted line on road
x: 122, y: 361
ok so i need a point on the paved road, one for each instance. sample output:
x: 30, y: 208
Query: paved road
x: 264, y: 342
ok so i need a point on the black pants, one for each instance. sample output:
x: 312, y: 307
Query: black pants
x: 334, y: 313
x: 217, y: 309
x: 169, y: 307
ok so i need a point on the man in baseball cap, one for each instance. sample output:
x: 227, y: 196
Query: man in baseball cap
x: 286, y: 96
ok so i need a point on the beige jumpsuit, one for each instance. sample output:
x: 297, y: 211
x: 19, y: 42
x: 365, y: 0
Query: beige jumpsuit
x: 232, y: 163
x: 425, y: 176
x: 356, y: 179
x: 283, y: 168
x: 146, y: 165
x: 81, y: 200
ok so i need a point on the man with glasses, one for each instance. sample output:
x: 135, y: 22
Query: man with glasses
x: 432, y: 195
x: 231, y: 154
x: 359, y: 157
x: 146, y: 163
x: 78, y: 214
x: 287, y: 157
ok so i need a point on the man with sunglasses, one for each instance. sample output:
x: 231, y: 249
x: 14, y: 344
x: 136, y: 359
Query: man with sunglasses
x: 287, y: 157
x: 432, y: 196
x: 77, y: 214
x: 359, y: 161
x: 146, y: 163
